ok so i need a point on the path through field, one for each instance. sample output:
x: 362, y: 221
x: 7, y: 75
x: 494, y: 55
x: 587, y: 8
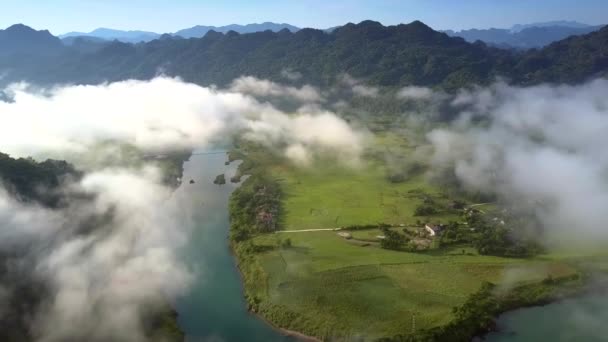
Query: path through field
x: 308, y: 230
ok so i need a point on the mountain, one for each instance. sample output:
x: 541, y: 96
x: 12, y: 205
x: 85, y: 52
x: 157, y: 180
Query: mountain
x: 390, y: 56
x: 71, y: 40
x: 560, y: 23
x: 200, y: 31
x: 21, y: 39
x: 525, y: 38
x: 575, y: 59
x: 193, y: 32
x: 111, y: 34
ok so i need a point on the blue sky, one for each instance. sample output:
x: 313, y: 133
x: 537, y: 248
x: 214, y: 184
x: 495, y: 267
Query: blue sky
x: 60, y: 16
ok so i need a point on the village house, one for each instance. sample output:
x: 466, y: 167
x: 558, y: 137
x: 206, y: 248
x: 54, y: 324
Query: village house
x: 433, y: 229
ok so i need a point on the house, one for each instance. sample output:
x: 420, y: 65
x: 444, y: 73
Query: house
x: 433, y: 229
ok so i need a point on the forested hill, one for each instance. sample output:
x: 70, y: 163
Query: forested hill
x: 383, y: 55
x: 31, y: 181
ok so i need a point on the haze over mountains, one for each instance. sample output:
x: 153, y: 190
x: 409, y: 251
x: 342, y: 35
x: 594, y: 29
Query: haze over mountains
x: 526, y: 36
x: 197, y: 31
x: 519, y: 36
x: 406, y: 54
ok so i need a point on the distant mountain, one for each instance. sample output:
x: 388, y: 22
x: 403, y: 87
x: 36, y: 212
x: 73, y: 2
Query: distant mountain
x: 21, y: 39
x: 111, y: 34
x: 560, y: 23
x: 71, y: 40
x: 575, y: 59
x: 200, y: 31
x: 193, y: 32
x: 525, y: 38
x: 391, y: 56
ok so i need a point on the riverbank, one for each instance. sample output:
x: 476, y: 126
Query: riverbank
x: 286, y: 332
x: 214, y: 307
x: 477, y: 317
x: 318, y: 284
x: 556, y: 321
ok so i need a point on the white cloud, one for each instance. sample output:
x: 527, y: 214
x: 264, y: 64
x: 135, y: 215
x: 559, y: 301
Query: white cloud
x: 257, y: 87
x: 358, y: 88
x: 415, y: 93
x: 102, y: 276
x: 291, y: 75
x: 544, y: 146
x: 160, y: 114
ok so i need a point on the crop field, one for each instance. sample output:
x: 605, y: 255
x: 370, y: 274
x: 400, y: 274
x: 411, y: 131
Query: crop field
x: 331, y: 196
x: 377, y: 292
x: 324, y: 285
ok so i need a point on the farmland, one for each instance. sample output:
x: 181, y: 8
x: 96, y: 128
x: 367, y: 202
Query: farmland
x: 324, y: 285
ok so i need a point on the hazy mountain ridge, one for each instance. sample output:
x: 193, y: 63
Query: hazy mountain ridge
x: 23, y: 39
x: 523, y: 36
x: 560, y: 23
x: 197, y: 31
x: 111, y: 34
x: 200, y: 31
x: 406, y: 54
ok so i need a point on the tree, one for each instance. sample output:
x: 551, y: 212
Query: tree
x: 392, y: 239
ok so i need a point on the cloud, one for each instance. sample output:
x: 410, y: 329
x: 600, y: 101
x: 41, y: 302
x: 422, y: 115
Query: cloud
x: 542, y: 147
x: 415, y: 93
x: 358, y: 88
x: 101, y: 278
x: 264, y: 88
x: 111, y: 252
x: 291, y: 75
x: 161, y: 114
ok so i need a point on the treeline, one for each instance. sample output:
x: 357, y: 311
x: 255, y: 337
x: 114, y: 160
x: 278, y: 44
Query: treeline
x: 31, y: 181
x: 477, y: 315
x: 255, y: 207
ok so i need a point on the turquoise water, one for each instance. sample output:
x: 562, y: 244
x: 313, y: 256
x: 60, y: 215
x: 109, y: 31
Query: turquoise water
x: 582, y: 319
x: 214, y: 309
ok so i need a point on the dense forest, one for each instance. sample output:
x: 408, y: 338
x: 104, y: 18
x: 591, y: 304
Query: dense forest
x: 406, y: 54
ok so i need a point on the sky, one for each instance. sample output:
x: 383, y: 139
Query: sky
x: 61, y: 16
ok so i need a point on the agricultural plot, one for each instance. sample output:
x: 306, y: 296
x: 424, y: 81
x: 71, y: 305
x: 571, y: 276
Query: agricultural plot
x: 372, y: 292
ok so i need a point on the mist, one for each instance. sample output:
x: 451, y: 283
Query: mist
x: 540, y: 147
x: 109, y: 254
x: 167, y: 114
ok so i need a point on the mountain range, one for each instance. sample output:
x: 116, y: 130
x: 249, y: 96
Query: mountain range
x: 21, y: 39
x: 525, y: 36
x: 389, y: 56
x: 520, y: 36
x: 192, y: 32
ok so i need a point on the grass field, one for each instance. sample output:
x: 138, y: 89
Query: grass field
x: 324, y: 285
x: 331, y: 195
x: 372, y: 292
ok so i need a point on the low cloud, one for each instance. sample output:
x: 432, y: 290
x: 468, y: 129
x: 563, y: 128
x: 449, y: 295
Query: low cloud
x: 164, y: 114
x: 542, y: 147
x: 358, y: 88
x: 100, y: 276
x: 265, y: 88
x: 415, y: 93
x: 291, y: 75
x: 111, y: 253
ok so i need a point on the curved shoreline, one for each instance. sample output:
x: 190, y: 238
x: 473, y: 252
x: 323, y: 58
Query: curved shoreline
x: 543, y: 303
x: 285, y: 332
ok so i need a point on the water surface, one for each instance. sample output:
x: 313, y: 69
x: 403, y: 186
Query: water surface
x: 214, y: 309
x: 579, y: 319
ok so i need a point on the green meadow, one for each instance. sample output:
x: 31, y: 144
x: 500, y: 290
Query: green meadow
x: 327, y: 286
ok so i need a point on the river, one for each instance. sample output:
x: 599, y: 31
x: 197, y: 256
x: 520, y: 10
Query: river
x: 578, y: 319
x: 214, y: 309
